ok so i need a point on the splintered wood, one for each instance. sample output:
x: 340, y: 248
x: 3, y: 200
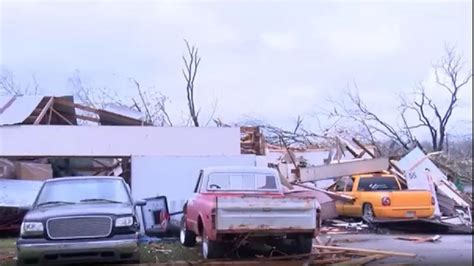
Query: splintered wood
x: 334, y: 255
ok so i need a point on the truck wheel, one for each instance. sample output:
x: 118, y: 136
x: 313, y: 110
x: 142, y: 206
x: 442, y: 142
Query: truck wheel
x: 368, y: 213
x: 186, y: 237
x: 210, y: 249
x: 304, y: 244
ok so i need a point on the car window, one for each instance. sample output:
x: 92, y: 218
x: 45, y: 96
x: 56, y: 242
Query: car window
x: 241, y: 181
x: 382, y: 183
x: 349, y: 184
x: 340, y: 185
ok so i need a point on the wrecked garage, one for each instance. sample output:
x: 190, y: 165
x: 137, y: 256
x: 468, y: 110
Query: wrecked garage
x: 162, y: 168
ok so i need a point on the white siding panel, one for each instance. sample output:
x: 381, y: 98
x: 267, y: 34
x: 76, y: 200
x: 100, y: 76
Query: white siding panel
x: 175, y: 176
x: 117, y: 141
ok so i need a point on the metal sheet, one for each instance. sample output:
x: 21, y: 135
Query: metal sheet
x: 418, y: 167
x: 175, y: 176
x: 342, y: 169
x: 14, y: 110
x: 18, y: 193
x: 259, y: 213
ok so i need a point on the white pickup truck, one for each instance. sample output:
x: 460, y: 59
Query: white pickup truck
x: 232, y: 203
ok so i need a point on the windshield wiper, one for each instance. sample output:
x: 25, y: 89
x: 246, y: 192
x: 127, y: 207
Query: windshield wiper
x: 54, y: 202
x: 100, y: 200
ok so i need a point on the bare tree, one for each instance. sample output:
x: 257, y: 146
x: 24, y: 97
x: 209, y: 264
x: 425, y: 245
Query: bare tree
x: 191, y: 64
x: 298, y: 137
x: 150, y: 102
x: 9, y: 86
x: 429, y: 115
x: 449, y: 78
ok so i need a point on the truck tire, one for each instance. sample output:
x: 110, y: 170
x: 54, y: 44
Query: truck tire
x: 186, y: 237
x: 210, y: 249
x: 304, y: 244
x: 368, y: 214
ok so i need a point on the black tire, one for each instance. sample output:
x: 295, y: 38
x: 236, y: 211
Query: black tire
x: 210, y: 249
x: 186, y: 237
x: 368, y: 213
x: 304, y: 244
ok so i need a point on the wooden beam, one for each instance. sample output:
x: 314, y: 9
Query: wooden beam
x: 88, y: 118
x: 363, y: 147
x: 368, y: 251
x: 361, y: 261
x: 43, y: 112
x: 361, y: 154
x: 50, y: 116
x: 76, y: 105
x: 60, y: 115
x: 394, y: 166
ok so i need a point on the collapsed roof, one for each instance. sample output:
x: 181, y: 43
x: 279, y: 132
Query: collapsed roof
x: 52, y: 110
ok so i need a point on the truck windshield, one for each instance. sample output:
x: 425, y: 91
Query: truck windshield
x: 83, y: 191
x: 242, y: 181
x: 381, y: 183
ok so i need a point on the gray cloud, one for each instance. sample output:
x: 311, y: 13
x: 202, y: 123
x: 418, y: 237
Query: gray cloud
x: 266, y: 59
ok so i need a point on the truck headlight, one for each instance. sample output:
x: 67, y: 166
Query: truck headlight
x: 31, y: 228
x: 124, y: 221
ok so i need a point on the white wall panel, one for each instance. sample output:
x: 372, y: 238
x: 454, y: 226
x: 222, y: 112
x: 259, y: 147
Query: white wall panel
x: 117, y: 141
x: 175, y: 176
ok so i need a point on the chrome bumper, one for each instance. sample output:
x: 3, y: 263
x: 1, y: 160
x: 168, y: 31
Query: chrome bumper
x: 45, y: 251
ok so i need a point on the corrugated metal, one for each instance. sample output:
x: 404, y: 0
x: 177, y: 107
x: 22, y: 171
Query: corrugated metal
x: 15, y: 110
x: 18, y: 193
x: 262, y: 213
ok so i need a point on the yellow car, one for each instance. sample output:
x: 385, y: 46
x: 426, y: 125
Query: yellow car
x: 381, y: 196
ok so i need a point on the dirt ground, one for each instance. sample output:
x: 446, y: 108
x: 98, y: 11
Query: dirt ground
x: 450, y: 249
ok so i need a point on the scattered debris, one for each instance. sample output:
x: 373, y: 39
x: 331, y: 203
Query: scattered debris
x: 161, y: 248
x: 366, y: 251
x: 362, y: 261
x: 420, y: 239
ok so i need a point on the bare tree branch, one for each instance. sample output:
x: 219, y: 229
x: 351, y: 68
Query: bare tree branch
x: 189, y: 74
x: 8, y: 85
x: 429, y: 115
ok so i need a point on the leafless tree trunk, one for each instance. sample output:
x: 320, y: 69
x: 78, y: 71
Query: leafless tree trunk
x: 191, y: 63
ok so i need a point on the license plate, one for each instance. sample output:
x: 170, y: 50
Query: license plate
x: 410, y: 214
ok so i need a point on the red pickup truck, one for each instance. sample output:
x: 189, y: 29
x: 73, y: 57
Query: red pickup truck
x: 235, y: 203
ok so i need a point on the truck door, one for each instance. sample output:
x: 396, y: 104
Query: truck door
x: 350, y: 189
x: 338, y: 187
x: 155, y: 216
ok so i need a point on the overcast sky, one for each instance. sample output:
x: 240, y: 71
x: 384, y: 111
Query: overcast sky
x: 270, y: 60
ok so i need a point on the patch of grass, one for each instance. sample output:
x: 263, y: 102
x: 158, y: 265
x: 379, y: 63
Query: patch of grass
x: 7, y: 243
x: 167, y: 252
x: 7, y: 249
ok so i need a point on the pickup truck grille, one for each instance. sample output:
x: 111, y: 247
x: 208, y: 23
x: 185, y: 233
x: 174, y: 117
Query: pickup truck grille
x: 79, y: 227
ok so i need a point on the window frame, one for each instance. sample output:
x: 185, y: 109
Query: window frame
x: 255, y: 189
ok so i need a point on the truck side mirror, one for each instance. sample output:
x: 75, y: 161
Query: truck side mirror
x: 140, y: 203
